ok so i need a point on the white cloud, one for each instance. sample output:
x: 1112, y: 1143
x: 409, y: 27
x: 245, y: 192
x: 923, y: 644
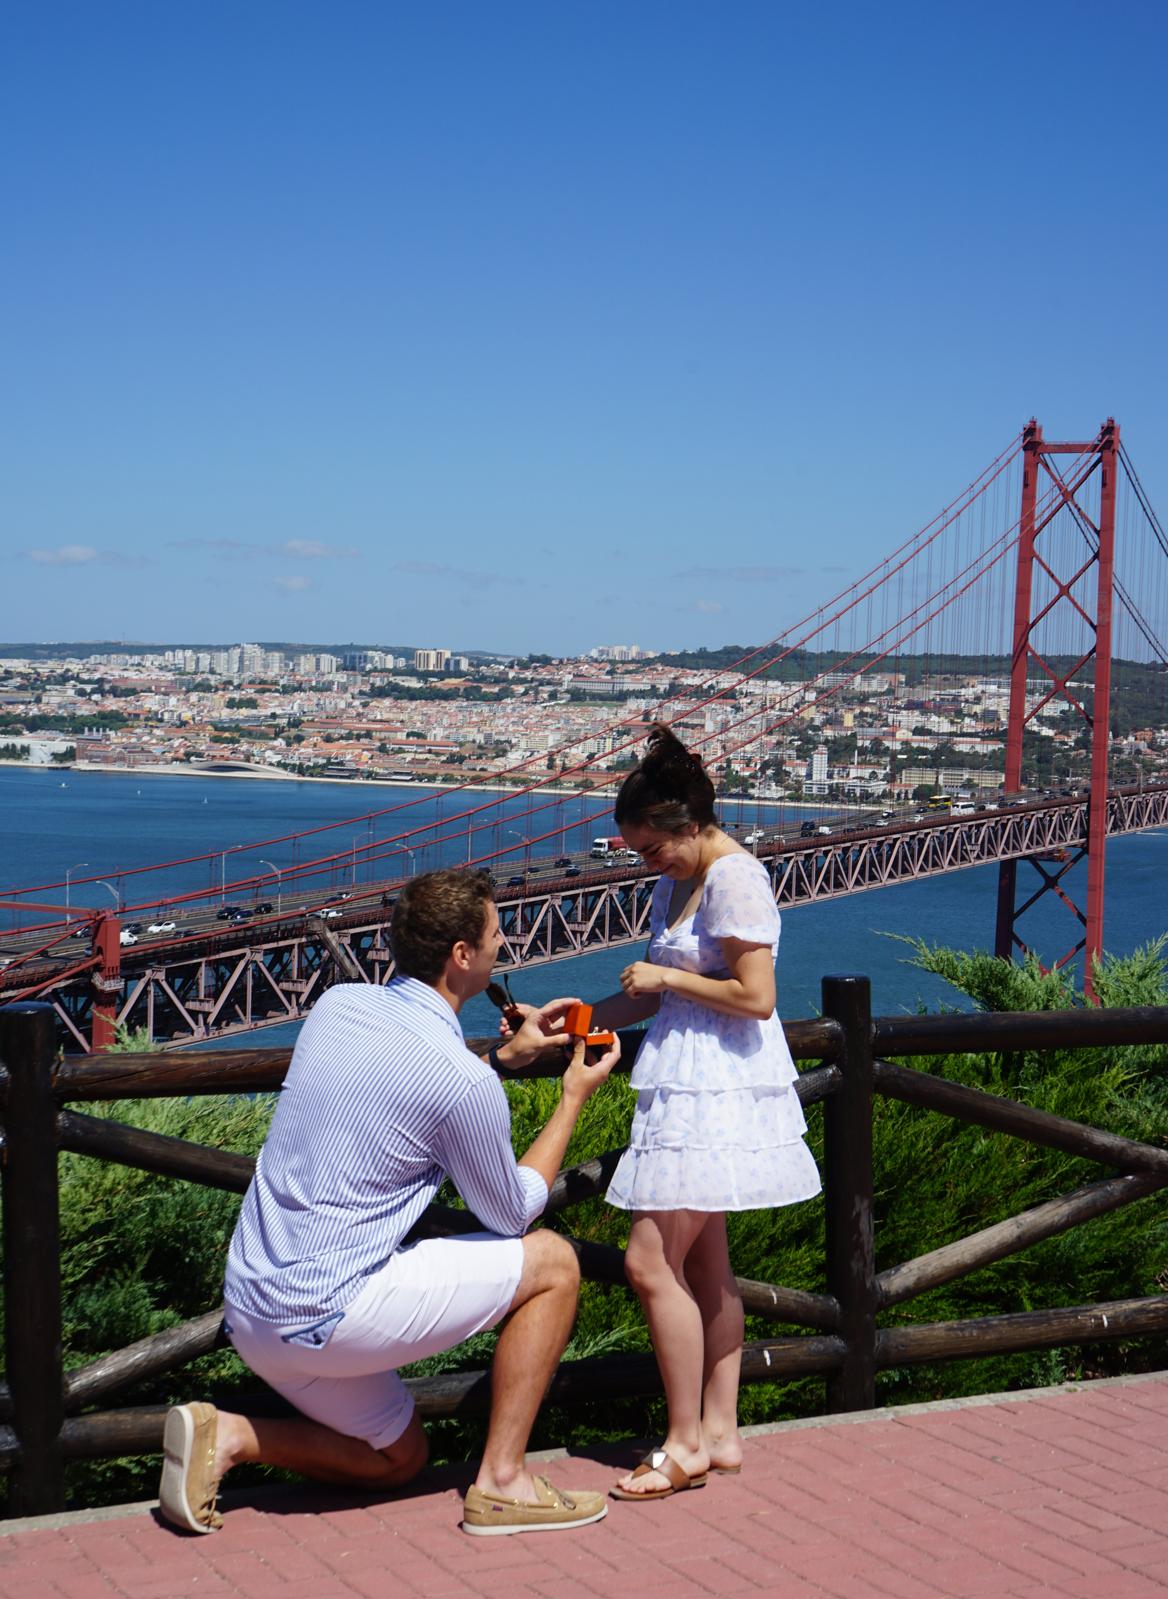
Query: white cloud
x: 292, y: 585
x: 83, y: 555
x: 240, y: 550
x: 66, y: 555
x: 314, y: 550
x: 711, y: 607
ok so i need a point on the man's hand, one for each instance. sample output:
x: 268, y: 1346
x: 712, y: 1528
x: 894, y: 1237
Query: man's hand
x: 583, y: 1076
x: 542, y: 1030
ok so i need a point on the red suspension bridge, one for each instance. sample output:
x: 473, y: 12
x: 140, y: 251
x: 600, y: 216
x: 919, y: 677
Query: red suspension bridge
x: 1020, y: 631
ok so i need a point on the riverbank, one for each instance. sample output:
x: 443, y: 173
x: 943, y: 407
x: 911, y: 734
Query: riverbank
x: 356, y: 784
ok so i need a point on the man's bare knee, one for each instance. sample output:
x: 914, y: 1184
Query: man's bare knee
x: 406, y: 1456
x: 549, y: 1264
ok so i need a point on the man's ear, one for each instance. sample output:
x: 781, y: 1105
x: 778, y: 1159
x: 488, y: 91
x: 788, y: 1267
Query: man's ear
x: 461, y: 954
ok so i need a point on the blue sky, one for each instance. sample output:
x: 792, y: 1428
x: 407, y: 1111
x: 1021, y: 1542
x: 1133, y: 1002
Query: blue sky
x: 537, y: 326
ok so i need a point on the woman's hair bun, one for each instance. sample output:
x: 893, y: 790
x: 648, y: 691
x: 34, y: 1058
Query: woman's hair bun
x: 667, y: 753
x: 669, y: 787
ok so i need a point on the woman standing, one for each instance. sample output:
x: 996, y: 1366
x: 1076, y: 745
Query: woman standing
x: 717, y: 1124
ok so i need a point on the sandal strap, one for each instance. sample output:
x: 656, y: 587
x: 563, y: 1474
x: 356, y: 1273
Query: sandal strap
x: 661, y: 1461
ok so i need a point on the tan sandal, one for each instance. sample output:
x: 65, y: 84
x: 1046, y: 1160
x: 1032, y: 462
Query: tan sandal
x: 676, y: 1476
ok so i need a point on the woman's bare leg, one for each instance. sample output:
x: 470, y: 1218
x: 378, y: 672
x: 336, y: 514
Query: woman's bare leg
x: 655, y: 1264
x: 711, y: 1279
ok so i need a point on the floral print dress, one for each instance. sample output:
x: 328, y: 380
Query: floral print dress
x: 717, y: 1125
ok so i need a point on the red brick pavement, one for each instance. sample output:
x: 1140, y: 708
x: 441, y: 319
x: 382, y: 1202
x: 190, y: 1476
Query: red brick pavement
x: 1060, y: 1493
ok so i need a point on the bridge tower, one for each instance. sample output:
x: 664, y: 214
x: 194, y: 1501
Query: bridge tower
x: 1063, y: 493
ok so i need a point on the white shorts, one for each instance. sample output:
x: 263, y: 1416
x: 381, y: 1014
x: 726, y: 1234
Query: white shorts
x: 341, y: 1369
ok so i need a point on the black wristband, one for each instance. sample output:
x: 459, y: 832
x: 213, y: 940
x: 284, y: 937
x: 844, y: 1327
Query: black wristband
x: 493, y: 1058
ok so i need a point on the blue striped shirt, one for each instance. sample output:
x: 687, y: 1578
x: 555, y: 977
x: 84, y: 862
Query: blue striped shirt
x: 382, y: 1101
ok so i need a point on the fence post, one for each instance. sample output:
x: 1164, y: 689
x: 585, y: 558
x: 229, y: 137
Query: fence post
x: 32, y: 1258
x: 851, y: 1263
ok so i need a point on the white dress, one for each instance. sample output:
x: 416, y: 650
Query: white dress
x: 717, y: 1125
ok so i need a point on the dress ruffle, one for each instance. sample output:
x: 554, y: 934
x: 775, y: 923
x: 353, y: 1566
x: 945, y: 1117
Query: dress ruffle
x: 741, y: 1149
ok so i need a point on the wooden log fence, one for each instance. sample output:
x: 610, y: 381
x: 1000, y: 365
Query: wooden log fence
x: 46, y: 1414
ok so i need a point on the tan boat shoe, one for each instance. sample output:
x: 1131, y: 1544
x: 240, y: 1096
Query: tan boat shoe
x: 552, y: 1510
x: 189, y: 1485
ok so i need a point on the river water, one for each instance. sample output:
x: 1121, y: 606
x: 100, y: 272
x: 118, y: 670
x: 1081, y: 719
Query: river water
x: 93, y: 824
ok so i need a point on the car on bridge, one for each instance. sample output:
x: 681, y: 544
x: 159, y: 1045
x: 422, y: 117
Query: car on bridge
x: 161, y: 927
x: 127, y: 937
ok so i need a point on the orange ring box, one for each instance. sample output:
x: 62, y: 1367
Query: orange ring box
x: 578, y: 1020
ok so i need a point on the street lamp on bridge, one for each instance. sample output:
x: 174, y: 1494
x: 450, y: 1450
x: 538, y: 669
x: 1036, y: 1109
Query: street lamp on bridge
x: 525, y: 840
x: 279, y: 883
x: 69, y: 870
x: 117, y: 897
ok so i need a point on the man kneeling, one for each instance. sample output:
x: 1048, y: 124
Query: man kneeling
x: 382, y: 1101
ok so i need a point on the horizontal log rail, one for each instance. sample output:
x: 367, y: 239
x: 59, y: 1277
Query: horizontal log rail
x: 989, y: 1032
x: 262, y: 1071
x: 1022, y: 1121
x: 138, y: 1430
x: 1029, y: 1329
x: 1007, y: 1237
x: 46, y: 1415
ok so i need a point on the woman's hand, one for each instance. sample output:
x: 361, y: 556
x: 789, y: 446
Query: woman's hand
x: 642, y: 977
x: 506, y: 1030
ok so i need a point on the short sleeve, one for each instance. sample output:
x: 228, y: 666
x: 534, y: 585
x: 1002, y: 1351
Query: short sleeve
x: 739, y: 902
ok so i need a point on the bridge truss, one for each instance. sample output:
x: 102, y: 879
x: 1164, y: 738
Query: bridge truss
x: 226, y: 984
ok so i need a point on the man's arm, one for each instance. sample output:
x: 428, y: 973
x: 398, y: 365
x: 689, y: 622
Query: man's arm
x: 579, y: 1083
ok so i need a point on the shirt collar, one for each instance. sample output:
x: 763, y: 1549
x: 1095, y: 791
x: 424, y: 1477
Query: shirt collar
x: 416, y: 992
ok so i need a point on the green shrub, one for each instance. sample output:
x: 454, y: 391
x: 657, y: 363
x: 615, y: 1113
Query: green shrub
x: 142, y: 1252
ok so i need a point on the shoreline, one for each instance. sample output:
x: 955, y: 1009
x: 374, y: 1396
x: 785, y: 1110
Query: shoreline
x: 357, y: 784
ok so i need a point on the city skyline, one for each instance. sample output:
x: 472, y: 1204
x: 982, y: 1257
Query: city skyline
x: 518, y: 328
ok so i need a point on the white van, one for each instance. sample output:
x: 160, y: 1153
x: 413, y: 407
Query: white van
x: 963, y: 808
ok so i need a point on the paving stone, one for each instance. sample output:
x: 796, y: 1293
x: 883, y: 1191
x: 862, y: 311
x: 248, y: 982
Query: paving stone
x: 1063, y: 1495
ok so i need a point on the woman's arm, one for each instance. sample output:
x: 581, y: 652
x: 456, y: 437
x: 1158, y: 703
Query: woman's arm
x: 748, y: 991
x: 624, y: 1010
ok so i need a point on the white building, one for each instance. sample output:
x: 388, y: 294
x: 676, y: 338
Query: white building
x: 431, y: 660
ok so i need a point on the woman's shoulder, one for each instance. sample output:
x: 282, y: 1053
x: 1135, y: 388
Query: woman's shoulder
x: 738, y: 899
x: 736, y: 862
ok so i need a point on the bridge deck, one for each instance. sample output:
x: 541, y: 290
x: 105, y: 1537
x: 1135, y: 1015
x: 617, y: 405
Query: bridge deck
x: 208, y: 979
x: 1061, y: 1493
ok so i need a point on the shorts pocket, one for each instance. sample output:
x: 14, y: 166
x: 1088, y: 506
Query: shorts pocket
x: 317, y: 1335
